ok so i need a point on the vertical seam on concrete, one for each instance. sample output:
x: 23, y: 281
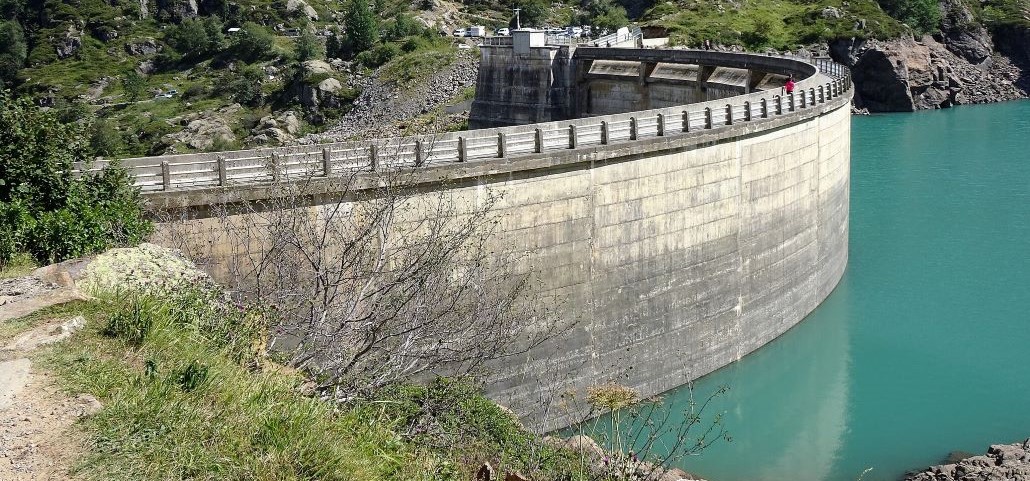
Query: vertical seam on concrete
x: 740, y: 254
x: 590, y: 267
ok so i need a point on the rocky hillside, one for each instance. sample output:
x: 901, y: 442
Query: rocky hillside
x: 959, y: 64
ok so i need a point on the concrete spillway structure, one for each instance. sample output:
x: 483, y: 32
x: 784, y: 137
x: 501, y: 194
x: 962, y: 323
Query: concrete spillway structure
x: 682, y: 237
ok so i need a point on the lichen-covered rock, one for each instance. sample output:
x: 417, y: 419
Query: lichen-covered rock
x: 146, y: 267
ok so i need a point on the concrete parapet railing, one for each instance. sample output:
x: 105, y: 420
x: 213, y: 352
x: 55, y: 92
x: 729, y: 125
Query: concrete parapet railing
x: 829, y: 82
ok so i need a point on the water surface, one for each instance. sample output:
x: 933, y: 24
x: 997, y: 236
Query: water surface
x: 924, y: 347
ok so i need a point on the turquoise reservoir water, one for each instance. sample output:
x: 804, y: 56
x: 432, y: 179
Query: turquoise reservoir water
x: 924, y: 347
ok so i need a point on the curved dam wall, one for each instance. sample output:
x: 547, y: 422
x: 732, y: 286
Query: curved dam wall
x: 678, y: 252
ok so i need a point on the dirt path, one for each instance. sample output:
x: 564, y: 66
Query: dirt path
x: 38, y: 437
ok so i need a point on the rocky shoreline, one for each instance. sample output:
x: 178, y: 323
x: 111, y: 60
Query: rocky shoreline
x: 1003, y: 462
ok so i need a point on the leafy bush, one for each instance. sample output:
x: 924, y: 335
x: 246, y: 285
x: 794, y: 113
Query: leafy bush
x: 253, y: 43
x: 379, y: 55
x: 196, y: 38
x: 922, y: 15
x: 13, y: 51
x: 46, y: 212
x: 308, y: 47
x: 244, y: 87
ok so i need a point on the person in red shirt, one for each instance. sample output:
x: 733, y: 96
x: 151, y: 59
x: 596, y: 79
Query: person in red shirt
x: 789, y: 86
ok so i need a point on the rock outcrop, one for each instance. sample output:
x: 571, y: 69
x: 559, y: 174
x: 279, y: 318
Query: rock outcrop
x: 202, y: 130
x: 1003, y: 462
x: 962, y: 35
x: 906, y: 74
x: 70, y: 44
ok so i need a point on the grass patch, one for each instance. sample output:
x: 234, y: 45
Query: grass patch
x: 187, y: 394
x: 417, y: 65
x: 770, y: 23
x: 183, y: 402
x: 20, y: 265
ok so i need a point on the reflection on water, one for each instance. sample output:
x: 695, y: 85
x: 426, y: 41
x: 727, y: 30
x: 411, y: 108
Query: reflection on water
x: 921, y: 350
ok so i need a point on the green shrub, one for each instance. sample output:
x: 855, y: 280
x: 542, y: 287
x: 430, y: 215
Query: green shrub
x: 253, y: 43
x: 196, y: 39
x: 922, y: 15
x: 15, y: 223
x: 38, y: 152
x: 379, y: 55
x: 46, y: 212
x: 308, y: 47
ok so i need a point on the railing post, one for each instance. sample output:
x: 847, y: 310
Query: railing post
x: 572, y: 136
x: 604, y: 132
x: 793, y: 101
x: 811, y: 91
x: 779, y: 105
x: 822, y: 95
x: 222, y: 174
x: 632, y: 128
x: 686, y: 121
x: 729, y: 114
x: 419, y: 154
x: 327, y: 162
x: 747, y: 111
x: 661, y: 125
x: 708, y: 117
x: 463, y: 154
x: 166, y: 176
x: 373, y: 157
x: 502, y: 145
x: 765, y: 108
x: 538, y: 138
x: 275, y: 166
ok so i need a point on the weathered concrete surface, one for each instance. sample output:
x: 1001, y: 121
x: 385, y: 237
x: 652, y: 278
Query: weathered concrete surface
x: 560, y: 83
x: 680, y: 254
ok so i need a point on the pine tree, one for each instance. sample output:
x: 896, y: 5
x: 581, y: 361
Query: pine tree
x: 362, y: 26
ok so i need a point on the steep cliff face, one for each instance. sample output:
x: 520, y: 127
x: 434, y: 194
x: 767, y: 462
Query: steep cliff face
x: 906, y: 74
x: 957, y: 65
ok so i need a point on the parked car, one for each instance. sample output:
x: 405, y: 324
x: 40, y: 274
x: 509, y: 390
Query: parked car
x: 461, y: 32
x: 503, y: 32
x: 574, y: 32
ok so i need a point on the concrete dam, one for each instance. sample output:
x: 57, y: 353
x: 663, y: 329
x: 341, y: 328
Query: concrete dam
x: 685, y: 207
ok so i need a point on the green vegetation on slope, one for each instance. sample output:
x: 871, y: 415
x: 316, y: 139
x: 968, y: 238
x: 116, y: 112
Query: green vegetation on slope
x: 778, y: 24
x: 188, y: 394
x: 150, y: 70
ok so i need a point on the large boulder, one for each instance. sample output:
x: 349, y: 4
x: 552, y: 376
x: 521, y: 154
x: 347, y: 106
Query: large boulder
x: 142, y: 46
x: 317, y: 67
x: 301, y: 6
